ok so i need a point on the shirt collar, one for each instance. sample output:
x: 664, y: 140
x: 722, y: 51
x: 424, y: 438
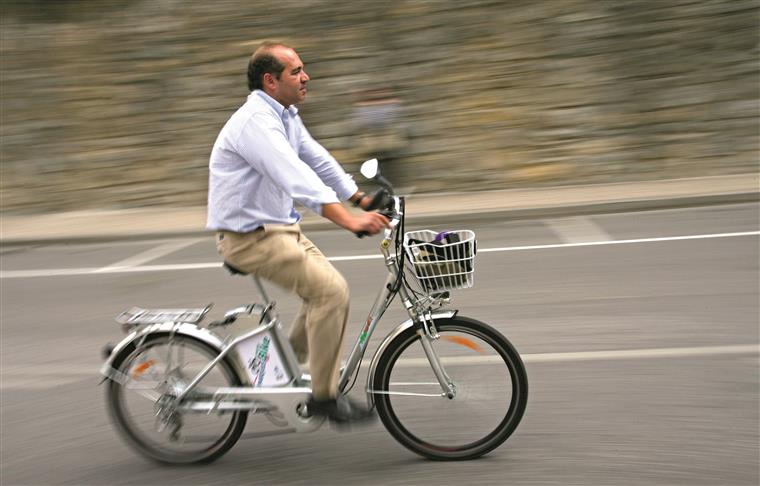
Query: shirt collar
x: 292, y: 110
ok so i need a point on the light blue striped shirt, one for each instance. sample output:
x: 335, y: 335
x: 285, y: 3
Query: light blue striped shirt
x: 263, y: 160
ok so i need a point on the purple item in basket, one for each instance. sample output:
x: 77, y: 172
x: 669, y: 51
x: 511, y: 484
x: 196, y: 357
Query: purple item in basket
x: 440, y: 237
x: 445, y: 238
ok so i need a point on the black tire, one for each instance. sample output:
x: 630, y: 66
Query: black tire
x: 117, y: 398
x: 422, y: 433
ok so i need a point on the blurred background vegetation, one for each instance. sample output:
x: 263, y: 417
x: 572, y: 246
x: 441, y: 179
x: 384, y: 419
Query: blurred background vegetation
x: 116, y: 103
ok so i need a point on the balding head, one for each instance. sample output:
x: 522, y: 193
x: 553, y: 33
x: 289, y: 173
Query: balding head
x: 265, y: 59
x: 277, y: 70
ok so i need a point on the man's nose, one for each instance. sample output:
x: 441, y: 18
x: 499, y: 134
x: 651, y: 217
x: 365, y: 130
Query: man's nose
x: 304, y: 77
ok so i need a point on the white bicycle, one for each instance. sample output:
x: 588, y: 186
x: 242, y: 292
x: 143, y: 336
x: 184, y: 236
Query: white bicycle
x: 445, y: 386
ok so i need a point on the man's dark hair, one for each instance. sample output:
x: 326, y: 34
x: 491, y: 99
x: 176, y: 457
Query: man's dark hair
x: 262, y: 62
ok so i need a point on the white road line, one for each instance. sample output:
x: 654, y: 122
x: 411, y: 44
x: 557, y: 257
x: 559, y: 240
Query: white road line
x: 37, y: 377
x: 39, y: 383
x: 621, y: 242
x: 577, y: 229
x: 354, y: 257
x: 597, y: 355
x: 60, y: 272
x: 46, y: 376
x: 150, y: 255
x: 645, y: 353
x: 198, y: 266
x: 53, y: 272
x: 50, y: 369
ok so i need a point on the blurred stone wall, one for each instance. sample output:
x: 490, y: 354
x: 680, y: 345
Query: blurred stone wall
x: 110, y: 104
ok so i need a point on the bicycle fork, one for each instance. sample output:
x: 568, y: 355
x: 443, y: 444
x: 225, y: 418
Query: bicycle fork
x: 428, y: 335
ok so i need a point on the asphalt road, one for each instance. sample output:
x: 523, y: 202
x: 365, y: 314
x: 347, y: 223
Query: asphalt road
x: 641, y: 348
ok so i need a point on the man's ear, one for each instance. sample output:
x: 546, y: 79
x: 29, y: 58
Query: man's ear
x: 269, y: 81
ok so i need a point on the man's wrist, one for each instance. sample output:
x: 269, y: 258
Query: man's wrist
x: 357, y: 200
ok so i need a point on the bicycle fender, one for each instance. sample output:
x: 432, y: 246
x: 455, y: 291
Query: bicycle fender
x: 389, y: 338
x: 135, y: 337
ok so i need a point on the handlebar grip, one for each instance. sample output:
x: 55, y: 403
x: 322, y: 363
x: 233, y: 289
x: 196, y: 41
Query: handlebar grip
x: 380, y: 199
x: 361, y: 234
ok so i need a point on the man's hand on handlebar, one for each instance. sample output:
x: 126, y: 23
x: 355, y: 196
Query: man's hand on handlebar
x: 370, y: 223
x: 361, y: 224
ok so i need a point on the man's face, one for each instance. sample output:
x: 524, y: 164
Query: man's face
x: 290, y: 89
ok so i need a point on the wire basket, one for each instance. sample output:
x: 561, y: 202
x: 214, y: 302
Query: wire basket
x: 442, y: 261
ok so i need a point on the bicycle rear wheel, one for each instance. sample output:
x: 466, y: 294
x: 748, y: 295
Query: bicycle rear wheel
x: 491, y: 390
x: 152, y: 375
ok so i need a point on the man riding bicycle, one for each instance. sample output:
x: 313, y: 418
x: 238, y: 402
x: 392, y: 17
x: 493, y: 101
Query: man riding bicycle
x: 263, y: 161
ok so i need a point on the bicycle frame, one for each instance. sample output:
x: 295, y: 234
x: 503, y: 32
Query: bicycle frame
x: 289, y: 397
x: 383, y: 300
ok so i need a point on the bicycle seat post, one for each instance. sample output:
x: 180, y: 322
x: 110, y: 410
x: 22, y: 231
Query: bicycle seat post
x: 262, y: 292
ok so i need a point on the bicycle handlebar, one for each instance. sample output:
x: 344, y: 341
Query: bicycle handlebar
x: 392, y: 211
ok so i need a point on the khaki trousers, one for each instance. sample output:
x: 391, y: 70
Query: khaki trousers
x: 283, y: 255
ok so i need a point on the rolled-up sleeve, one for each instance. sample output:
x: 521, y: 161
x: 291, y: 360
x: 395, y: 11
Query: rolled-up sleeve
x: 263, y: 144
x: 324, y: 164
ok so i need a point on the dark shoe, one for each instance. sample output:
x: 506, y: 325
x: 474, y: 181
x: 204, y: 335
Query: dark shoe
x: 341, y: 410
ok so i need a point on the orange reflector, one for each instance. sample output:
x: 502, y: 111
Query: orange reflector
x: 464, y: 342
x: 142, y: 368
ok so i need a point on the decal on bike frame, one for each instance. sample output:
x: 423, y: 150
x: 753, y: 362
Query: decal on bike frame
x: 262, y: 362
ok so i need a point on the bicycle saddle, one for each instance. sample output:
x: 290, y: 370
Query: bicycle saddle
x: 233, y: 270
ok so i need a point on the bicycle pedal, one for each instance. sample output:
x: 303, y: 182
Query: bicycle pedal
x: 279, y: 420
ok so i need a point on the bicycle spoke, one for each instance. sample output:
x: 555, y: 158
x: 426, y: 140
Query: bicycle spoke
x: 158, y: 371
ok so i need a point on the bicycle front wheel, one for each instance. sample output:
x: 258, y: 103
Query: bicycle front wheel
x: 490, y: 390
